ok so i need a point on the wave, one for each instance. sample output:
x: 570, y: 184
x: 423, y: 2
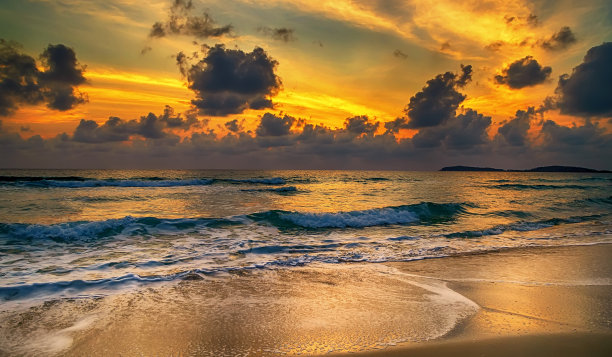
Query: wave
x: 284, y: 189
x: 85, y: 230
x: 85, y: 182
x: 522, y: 226
x: 424, y: 212
x: 520, y: 187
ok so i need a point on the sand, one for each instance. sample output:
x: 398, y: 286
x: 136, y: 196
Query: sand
x: 533, y: 302
x: 519, y: 302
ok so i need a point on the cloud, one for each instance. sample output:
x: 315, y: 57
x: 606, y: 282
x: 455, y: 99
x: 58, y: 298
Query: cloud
x: 587, y: 91
x: 522, y: 73
x: 181, y: 22
x: 281, y: 143
x: 495, y: 46
x: 272, y: 125
x: 281, y: 34
x: 466, y: 131
x: 529, y: 20
x: 559, y: 40
x: 438, y: 100
x: 116, y: 129
x: 234, y: 126
x: 445, y: 46
x: 399, y: 54
x: 230, y: 81
x: 514, y: 132
x: 574, y: 139
x: 396, y: 124
x: 359, y: 125
x: 21, y: 82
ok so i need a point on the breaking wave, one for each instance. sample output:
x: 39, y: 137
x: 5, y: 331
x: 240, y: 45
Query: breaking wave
x: 406, y: 214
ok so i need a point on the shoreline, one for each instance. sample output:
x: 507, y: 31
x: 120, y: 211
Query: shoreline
x: 559, y: 328
x: 533, y: 298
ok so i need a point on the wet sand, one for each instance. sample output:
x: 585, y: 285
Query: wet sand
x: 532, y: 301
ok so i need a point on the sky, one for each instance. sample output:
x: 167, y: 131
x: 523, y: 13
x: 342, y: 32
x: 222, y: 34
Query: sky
x: 296, y: 84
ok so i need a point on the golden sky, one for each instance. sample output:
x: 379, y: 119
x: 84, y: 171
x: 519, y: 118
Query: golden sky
x: 337, y: 59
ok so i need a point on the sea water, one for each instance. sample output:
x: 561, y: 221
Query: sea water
x: 85, y: 234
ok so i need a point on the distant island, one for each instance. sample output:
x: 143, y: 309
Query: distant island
x: 537, y: 169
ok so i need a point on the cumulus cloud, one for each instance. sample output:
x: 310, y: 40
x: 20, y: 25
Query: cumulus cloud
x: 524, y: 72
x: 559, y: 40
x: 514, y: 132
x: 438, y: 100
x: 148, y: 127
x: 574, y: 139
x: 587, y: 91
x: 230, y: 81
x: 181, y: 22
x: 234, y: 126
x: 281, y: 143
x: 272, y: 125
x: 359, y: 125
x: 396, y: 124
x: 466, y: 131
x: 21, y: 82
x: 281, y: 33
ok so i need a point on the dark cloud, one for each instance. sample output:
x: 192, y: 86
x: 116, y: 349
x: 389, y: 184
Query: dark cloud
x: 559, y: 41
x: 359, y: 125
x: 396, y: 124
x: 588, y: 90
x: 438, y: 100
x: 272, y: 125
x: 281, y: 34
x: 230, y: 81
x: 234, y: 126
x: 445, y: 46
x: 514, y: 132
x: 466, y: 131
x: 523, y: 73
x: 463, y: 139
x: 400, y: 54
x: 181, y: 22
x: 116, y: 129
x: 495, y: 46
x: 574, y: 139
x: 21, y: 82
x: 531, y: 20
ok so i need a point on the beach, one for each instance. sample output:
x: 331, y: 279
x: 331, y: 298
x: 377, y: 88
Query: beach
x: 526, y: 301
x: 532, y: 302
x: 268, y: 263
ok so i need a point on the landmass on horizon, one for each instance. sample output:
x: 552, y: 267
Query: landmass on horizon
x: 554, y: 168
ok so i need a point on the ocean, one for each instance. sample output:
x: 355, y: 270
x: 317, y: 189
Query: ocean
x: 86, y: 235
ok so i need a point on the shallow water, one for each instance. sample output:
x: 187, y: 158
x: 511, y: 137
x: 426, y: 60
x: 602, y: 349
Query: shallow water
x: 75, y: 233
x: 83, y: 234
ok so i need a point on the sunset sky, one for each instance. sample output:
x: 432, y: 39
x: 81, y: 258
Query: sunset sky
x: 305, y: 84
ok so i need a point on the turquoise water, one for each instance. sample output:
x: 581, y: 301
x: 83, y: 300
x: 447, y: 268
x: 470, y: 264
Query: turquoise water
x: 86, y: 233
